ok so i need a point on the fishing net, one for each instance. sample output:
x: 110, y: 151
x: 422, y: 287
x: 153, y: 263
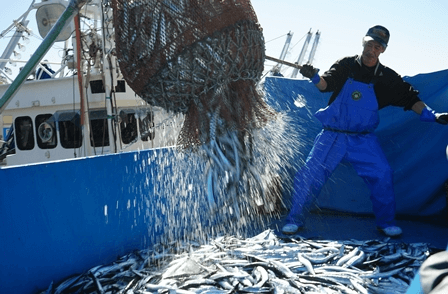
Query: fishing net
x: 203, y: 59
x: 198, y: 58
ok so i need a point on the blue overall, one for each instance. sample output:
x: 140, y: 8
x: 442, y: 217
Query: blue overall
x: 348, y: 125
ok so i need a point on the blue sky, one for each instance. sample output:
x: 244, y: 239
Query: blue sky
x: 419, y: 30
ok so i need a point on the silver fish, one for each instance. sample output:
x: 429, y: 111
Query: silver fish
x: 261, y: 264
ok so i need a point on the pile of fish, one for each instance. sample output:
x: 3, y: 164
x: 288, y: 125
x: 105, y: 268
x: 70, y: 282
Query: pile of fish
x: 265, y: 263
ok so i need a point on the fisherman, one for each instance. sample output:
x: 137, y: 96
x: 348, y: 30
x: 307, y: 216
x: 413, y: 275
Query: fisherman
x: 361, y: 86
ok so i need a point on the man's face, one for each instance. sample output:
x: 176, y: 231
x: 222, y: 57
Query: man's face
x: 371, y: 52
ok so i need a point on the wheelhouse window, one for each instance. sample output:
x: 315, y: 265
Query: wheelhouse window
x: 99, y: 129
x: 46, y: 131
x: 70, y: 129
x: 24, y: 133
x: 146, y: 126
x: 128, y: 126
x: 97, y: 86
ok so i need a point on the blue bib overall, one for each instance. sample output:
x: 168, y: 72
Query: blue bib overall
x: 348, y: 125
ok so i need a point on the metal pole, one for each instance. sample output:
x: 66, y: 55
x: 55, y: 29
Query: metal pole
x: 313, y: 49
x: 20, y: 27
x: 71, y: 10
x: 109, y: 76
x: 283, y: 62
x: 278, y: 66
x: 12, y: 44
x: 286, y: 46
x: 302, y: 54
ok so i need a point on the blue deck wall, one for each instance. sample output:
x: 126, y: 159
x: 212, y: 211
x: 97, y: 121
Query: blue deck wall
x: 53, y: 222
x: 62, y: 218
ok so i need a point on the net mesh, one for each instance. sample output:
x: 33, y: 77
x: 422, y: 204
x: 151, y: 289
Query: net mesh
x: 194, y: 57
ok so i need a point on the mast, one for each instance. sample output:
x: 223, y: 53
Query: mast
x: 21, y: 26
x: 69, y: 13
x: 286, y: 46
x: 109, y: 72
x: 302, y: 54
x: 13, y: 43
x: 314, y: 48
x: 85, y: 119
x: 276, y: 69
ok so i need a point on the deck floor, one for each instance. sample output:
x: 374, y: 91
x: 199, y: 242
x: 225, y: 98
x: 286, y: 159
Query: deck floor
x: 341, y: 226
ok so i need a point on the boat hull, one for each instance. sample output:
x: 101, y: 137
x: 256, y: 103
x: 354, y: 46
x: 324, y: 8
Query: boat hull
x: 62, y: 218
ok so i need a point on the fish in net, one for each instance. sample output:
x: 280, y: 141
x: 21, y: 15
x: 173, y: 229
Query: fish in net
x: 202, y: 59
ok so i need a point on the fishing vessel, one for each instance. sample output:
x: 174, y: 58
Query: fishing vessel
x: 87, y: 166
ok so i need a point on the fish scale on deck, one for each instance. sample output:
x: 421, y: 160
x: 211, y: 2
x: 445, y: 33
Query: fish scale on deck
x: 261, y: 264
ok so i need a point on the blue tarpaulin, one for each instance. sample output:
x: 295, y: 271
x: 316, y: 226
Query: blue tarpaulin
x: 416, y: 150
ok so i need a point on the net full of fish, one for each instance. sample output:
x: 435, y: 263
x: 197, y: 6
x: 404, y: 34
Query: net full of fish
x: 261, y: 264
x: 203, y: 60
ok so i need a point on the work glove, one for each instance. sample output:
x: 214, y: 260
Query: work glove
x: 308, y: 71
x: 442, y: 118
x: 430, y: 115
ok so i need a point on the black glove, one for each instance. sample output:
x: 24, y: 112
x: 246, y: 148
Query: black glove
x: 308, y: 71
x: 442, y: 118
x: 430, y: 115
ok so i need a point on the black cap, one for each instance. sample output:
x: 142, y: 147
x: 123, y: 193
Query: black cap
x: 379, y: 34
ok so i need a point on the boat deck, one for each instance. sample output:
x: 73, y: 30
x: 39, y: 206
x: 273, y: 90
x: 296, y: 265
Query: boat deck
x: 330, y: 225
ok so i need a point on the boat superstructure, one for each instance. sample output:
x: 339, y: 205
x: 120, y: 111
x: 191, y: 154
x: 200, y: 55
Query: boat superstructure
x: 81, y: 106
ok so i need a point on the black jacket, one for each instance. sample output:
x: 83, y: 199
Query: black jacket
x: 390, y: 88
